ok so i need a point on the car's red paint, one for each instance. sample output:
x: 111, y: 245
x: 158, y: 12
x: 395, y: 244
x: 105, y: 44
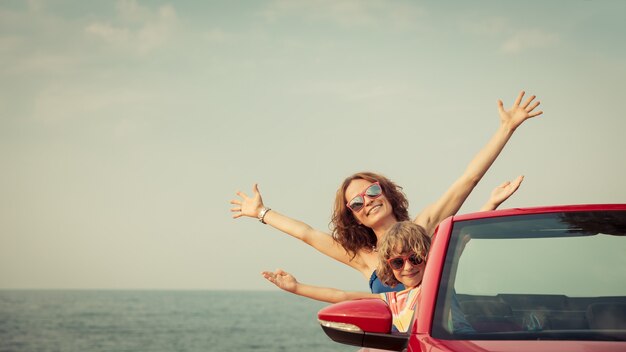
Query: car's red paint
x: 368, y: 314
x: 538, y: 210
x: 373, y: 317
x: 426, y: 343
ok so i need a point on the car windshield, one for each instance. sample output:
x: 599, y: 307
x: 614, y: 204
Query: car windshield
x: 546, y: 276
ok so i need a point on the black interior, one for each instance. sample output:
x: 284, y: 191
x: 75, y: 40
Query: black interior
x: 510, y: 313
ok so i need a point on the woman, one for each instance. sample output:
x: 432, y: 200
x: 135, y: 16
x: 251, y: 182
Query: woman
x: 367, y: 204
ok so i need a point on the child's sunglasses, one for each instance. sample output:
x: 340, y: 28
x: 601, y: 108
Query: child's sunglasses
x: 397, y: 263
x: 357, y: 203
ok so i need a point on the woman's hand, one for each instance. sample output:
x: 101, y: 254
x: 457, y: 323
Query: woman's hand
x: 282, y: 279
x: 247, y: 206
x: 519, y: 112
x: 452, y: 200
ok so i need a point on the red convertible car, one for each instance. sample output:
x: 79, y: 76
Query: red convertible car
x: 533, y: 279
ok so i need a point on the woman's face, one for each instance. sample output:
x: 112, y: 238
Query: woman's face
x: 411, y: 273
x: 374, y: 209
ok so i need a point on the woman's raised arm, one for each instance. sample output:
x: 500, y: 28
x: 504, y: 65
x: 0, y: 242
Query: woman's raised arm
x: 253, y: 207
x: 452, y: 200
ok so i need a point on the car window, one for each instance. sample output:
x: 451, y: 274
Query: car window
x: 573, y: 266
x: 528, y: 275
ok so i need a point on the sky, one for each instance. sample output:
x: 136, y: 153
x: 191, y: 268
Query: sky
x: 126, y: 127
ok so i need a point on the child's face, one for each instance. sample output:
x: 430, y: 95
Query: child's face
x: 412, y: 270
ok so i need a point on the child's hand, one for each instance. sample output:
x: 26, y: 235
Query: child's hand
x: 247, y: 206
x: 282, y: 279
x: 518, y: 113
x: 504, y: 191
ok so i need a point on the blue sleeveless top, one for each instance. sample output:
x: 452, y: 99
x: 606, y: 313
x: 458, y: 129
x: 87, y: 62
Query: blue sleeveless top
x: 376, y: 286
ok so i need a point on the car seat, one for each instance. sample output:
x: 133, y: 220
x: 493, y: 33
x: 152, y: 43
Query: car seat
x: 490, y: 316
x: 607, y: 315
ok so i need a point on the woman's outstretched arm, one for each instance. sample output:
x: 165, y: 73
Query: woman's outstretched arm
x: 452, y: 200
x: 253, y: 207
x: 287, y: 282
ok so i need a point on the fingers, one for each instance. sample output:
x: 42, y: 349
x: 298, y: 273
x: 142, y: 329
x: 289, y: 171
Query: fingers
x: 529, y: 109
x: 528, y: 101
x: 532, y: 107
x: 501, y: 109
x: 529, y: 105
x: 275, y: 277
x: 269, y: 276
x: 236, y: 209
x: 517, y: 182
x: 255, y: 188
x: 273, y: 273
x: 238, y: 204
x: 519, y: 98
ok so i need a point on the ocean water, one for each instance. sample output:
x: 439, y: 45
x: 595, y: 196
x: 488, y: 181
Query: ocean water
x: 69, y: 320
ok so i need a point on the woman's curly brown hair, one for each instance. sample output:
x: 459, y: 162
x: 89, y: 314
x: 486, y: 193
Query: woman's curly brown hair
x: 353, y: 236
x: 402, y: 237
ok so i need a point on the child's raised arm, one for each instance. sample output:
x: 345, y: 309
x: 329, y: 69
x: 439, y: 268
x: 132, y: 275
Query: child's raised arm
x: 287, y: 282
x: 502, y: 193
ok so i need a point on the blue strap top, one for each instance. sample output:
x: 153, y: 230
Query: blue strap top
x: 376, y: 286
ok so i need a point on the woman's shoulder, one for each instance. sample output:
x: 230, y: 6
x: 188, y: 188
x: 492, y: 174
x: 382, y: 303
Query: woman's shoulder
x: 365, y: 260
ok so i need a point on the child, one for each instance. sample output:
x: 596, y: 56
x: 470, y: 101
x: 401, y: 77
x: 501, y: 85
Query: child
x: 401, y: 259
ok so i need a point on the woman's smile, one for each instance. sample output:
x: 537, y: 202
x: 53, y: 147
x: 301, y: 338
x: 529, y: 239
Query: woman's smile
x: 374, y: 208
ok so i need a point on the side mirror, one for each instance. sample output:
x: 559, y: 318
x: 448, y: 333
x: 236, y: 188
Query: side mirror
x: 363, y: 323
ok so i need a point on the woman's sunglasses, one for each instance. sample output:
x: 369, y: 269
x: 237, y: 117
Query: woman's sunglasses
x: 397, y: 263
x: 373, y: 191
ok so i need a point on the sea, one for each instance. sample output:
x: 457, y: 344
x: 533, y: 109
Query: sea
x: 154, y: 320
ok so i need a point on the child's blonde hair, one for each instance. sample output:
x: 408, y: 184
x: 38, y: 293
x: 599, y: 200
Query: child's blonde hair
x: 402, y: 237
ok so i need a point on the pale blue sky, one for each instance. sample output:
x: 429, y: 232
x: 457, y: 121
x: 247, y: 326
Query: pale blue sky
x: 126, y: 127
